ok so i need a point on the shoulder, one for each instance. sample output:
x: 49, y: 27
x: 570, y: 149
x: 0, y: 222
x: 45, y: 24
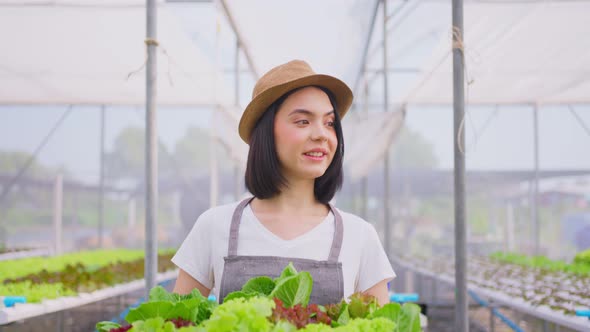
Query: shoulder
x: 221, y: 210
x: 354, y: 224
x: 217, y: 216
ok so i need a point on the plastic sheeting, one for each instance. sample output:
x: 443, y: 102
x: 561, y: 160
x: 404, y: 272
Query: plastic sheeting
x: 367, y: 137
x: 82, y: 52
x: 515, y: 52
x: 329, y: 34
x: 225, y: 121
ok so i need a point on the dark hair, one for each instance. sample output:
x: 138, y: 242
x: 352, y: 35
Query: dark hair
x: 263, y: 172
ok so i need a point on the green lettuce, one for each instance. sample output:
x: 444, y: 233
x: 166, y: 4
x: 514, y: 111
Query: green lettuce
x: 158, y: 324
x: 241, y: 315
x: 106, y: 326
x: 288, y: 271
x: 193, y: 307
x: 259, y: 285
x: 410, y: 318
x: 159, y: 309
x: 344, y: 316
x: 355, y: 325
x: 254, y: 309
x: 291, y: 287
x: 294, y: 290
x: 240, y: 295
x: 284, y: 326
x: 406, y: 317
x: 362, y: 305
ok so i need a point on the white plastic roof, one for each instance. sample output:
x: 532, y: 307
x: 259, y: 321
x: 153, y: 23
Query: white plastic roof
x: 516, y: 52
x: 329, y: 34
x: 81, y: 52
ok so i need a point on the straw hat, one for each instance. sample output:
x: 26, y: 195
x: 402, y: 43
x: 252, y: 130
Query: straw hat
x: 282, y: 79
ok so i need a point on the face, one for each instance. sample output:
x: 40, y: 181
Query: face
x: 304, y: 134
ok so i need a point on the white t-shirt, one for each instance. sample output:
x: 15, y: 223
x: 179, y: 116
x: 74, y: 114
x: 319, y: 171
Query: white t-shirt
x: 364, y: 262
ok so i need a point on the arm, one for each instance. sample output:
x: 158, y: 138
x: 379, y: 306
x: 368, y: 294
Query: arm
x: 185, y: 284
x: 380, y: 291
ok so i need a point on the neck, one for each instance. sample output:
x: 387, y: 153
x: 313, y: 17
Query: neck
x: 297, y: 199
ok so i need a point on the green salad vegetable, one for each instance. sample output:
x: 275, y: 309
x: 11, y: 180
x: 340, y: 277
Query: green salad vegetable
x: 266, y: 305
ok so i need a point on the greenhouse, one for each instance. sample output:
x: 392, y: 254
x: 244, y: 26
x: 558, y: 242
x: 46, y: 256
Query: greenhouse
x: 165, y: 165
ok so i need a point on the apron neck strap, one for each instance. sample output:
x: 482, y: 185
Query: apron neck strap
x: 234, y: 231
x: 232, y: 248
x: 338, y: 236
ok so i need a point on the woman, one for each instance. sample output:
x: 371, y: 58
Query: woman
x: 294, y: 169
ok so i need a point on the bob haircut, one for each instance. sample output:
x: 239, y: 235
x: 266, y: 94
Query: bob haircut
x: 263, y: 173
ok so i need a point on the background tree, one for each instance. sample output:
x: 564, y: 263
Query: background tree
x: 412, y: 150
x: 126, y: 161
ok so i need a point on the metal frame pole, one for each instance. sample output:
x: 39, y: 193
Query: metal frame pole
x: 461, y: 301
x: 509, y: 231
x: 365, y: 179
x: 151, y: 206
x: 387, y: 212
x: 579, y: 119
x: 363, y: 62
x: 492, y: 306
x: 58, y: 214
x: 535, y: 198
x: 364, y: 197
x: 237, y: 177
x: 131, y: 221
x: 238, y: 33
x: 101, y: 178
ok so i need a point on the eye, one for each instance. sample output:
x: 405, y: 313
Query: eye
x: 330, y: 123
x: 302, y: 122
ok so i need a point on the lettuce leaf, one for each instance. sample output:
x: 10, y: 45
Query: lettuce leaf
x: 355, y: 325
x: 284, y: 326
x: 241, y: 315
x: 291, y: 287
x: 317, y: 328
x: 406, y: 317
x: 294, y: 289
x: 288, y: 271
x: 161, y: 309
x: 106, y: 326
x: 363, y: 324
x: 410, y: 318
x: 362, y: 305
x: 344, y: 316
x: 260, y: 285
x: 193, y: 307
x: 159, y: 293
x: 156, y: 324
x: 239, y: 295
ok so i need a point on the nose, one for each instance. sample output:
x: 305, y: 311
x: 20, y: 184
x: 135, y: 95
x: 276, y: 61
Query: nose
x: 319, y: 133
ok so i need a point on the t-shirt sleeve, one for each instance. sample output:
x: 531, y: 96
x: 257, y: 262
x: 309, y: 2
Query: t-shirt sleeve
x: 375, y: 266
x: 194, y: 254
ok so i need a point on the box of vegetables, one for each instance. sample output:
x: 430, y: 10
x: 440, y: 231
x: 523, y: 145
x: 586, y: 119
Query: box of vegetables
x: 265, y: 304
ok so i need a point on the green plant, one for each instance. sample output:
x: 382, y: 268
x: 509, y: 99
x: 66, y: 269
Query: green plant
x: 254, y: 309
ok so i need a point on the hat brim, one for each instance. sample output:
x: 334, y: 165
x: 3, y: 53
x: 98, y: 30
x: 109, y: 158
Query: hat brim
x: 261, y: 102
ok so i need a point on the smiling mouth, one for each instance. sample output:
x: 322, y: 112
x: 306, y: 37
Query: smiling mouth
x: 315, y: 154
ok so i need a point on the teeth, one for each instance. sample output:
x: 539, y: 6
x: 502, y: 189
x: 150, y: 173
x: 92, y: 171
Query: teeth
x: 315, y: 154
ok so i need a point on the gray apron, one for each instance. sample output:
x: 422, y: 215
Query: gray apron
x: 328, y: 285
